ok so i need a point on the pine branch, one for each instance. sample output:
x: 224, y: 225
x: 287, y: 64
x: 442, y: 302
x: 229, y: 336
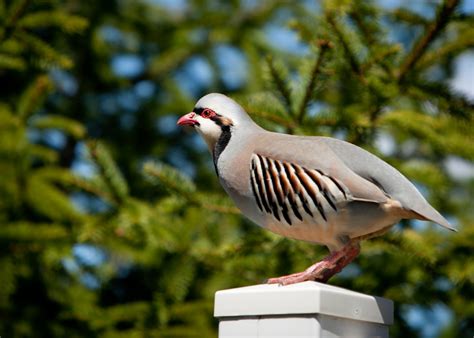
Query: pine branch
x: 43, y: 153
x: 162, y: 65
x: 361, y: 13
x: 48, y: 55
x: 15, y: 12
x: 93, y: 187
x: 34, y: 232
x: 321, y: 121
x: 324, y: 46
x: 364, y: 17
x: 268, y: 106
x: 353, y: 62
x: 407, y: 16
x: 432, y: 31
x: 69, y: 126
x: 12, y: 62
x: 214, y: 202
x: 49, y: 201
x: 281, y: 84
x: 172, y: 179
x: 437, y: 132
x: 450, y: 48
x: 221, y: 209
x: 33, y: 97
x: 452, y: 103
x: 268, y: 116
x: 111, y: 174
x: 380, y: 57
x: 358, y: 70
x: 68, y: 23
x: 176, y: 182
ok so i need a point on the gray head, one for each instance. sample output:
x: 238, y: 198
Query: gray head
x: 215, y: 114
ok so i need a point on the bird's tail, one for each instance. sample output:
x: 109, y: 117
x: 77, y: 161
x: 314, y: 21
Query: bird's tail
x: 431, y: 214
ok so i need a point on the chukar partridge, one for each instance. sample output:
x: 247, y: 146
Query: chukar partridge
x: 317, y: 189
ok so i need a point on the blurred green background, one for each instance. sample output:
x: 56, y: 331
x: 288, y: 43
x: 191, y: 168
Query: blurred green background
x: 112, y: 221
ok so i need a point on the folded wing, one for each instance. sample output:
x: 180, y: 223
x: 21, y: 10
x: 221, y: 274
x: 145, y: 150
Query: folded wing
x: 289, y: 191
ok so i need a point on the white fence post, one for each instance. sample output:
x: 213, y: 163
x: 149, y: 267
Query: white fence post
x: 308, y: 309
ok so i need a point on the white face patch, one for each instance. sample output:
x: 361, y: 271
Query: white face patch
x: 209, y: 131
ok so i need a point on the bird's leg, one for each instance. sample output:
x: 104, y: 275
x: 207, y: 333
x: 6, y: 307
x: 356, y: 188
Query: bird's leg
x: 323, y: 270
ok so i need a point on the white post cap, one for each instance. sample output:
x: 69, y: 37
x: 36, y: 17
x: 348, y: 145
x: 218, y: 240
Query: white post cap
x: 302, y: 298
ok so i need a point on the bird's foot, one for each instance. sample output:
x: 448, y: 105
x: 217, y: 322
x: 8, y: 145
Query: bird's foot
x: 322, y: 271
x: 289, y: 279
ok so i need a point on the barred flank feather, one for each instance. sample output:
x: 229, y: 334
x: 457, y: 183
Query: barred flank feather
x: 292, y: 190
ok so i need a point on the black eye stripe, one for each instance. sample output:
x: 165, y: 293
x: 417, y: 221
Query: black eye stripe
x: 198, y: 110
x: 217, y: 118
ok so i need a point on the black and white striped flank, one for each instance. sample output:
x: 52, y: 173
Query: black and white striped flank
x: 289, y: 191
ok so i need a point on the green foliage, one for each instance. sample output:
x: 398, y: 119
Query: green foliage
x: 170, y: 178
x: 21, y: 20
x: 90, y: 162
x: 110, y: 177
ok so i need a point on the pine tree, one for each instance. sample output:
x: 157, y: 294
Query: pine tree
x: 137, y: 244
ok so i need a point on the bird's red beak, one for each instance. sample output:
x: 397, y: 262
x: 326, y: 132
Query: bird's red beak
x: 187, y: 120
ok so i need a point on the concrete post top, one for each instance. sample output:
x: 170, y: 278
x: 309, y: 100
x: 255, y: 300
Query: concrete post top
x: 302, y: 298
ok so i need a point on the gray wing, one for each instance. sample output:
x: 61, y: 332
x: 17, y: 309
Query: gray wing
x: 389, y: 179
x: 311, y: 153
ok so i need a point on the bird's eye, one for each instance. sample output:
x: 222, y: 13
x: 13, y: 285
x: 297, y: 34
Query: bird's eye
x: 207, y: 113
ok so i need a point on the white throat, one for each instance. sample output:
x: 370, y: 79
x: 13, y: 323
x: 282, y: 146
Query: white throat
x: 210, y: 137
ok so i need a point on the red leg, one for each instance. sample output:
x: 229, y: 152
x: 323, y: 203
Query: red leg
x: 323, y: 270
